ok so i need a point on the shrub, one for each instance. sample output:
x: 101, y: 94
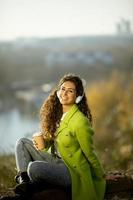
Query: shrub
x: 111, y: 102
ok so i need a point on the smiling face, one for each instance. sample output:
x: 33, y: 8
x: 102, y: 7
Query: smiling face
x: 67, y: 94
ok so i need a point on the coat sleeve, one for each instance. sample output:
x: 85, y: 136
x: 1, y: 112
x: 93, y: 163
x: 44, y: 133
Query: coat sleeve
x: 84, y: 134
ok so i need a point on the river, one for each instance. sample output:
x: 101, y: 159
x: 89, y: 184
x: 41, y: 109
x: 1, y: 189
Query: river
x: 13, y: 125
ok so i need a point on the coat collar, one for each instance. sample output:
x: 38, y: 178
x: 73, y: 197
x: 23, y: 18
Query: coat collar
x: 65, y: 121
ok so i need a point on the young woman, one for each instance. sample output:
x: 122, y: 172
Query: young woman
x: 69, y: 157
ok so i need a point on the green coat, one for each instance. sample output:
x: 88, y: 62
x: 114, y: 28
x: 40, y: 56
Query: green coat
x: 75, y: 144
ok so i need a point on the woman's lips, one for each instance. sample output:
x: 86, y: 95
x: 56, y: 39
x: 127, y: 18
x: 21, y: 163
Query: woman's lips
x: 64, y: 99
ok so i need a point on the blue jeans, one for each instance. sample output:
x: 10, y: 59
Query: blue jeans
x: 40, y: 165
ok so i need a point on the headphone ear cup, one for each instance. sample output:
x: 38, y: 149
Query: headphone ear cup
x: 58, y: 94
x: 78, y: 99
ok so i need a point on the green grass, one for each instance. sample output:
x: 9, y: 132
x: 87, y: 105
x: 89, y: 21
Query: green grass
x: 7, y: 172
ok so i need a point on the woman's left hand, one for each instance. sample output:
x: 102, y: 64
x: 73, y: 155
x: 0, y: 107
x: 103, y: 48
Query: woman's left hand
x: 112, y: 177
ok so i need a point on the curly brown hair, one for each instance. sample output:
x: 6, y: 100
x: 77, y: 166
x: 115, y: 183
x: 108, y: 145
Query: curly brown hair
x: 51, y: 110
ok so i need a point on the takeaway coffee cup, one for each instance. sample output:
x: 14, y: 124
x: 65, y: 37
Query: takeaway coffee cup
x: 39, y: 140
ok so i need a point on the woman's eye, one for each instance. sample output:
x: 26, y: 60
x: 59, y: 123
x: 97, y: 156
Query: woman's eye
x: 70, y: 91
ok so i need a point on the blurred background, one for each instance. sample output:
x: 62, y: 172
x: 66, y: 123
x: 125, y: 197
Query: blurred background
x: 41, y: 40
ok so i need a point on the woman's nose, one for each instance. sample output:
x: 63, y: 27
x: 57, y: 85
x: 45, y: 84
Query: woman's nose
x: 64, y: 92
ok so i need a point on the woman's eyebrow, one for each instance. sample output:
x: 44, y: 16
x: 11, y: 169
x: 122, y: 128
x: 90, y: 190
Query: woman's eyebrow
x: 68, y: 88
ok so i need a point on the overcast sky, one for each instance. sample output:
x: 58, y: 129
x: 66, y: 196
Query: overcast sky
x: 55, y: 18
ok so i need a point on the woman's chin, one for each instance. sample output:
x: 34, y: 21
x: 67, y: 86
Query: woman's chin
x: 62, y: 101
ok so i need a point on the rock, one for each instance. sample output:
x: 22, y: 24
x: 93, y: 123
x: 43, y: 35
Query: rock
x: 119, y: 187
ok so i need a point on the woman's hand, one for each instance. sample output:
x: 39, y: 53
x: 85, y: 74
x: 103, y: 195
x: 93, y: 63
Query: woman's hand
x: 35, y: 144
x: 113, y: 177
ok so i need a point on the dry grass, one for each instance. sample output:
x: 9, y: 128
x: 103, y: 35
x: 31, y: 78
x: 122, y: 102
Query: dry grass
x: 7, y: 172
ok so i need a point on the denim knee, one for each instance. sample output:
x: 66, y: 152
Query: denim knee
x: 32, y: 170
x: 20, y: 141
x: 35, y: 170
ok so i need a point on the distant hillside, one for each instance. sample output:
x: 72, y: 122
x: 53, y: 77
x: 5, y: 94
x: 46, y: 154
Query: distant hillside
x: 45, y: 60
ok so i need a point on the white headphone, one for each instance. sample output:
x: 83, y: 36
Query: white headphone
x: 78, y: 99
